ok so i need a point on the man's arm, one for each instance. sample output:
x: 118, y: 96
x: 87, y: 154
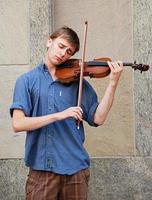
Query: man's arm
x: 22, y: 123
x: 107, y: 100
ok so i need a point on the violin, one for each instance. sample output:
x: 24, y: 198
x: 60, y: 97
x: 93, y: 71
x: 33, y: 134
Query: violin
x: 69, y: 71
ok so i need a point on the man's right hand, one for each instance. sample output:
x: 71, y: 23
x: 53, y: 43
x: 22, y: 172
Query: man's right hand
x: 75, y: 112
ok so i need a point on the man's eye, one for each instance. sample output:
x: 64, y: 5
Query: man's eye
x: 61, y: 46
x: 69, y: 52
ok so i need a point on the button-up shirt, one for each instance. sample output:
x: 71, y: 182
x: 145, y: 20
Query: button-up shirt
x: 58, y: 146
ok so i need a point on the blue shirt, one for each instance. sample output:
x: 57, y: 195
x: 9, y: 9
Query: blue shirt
x: 58, y: 146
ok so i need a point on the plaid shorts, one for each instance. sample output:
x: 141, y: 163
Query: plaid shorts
x: 42, y: 185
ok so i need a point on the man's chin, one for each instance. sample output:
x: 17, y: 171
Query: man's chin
x: 59, y: 62
x: 56, y: 62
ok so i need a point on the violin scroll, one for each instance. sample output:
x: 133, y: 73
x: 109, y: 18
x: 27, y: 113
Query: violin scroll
x: 141, y: 67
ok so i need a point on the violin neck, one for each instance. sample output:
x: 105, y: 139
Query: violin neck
x: 99, y: 63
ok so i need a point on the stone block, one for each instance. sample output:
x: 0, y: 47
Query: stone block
x: 10, y: 145
x: 40, y: 27
x: 14, y: 32
x: 121, y: 178
x: 143, y: 83
x: 13, y: 175
x: 109, y: 35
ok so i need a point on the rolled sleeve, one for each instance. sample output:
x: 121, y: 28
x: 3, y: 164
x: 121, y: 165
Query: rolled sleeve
x: 21, y: 97
x: 90, y: 103
x: 90, y: 116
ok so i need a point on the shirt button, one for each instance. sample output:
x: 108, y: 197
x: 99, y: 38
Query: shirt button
x: 49, y: 163
x: 49, y: 136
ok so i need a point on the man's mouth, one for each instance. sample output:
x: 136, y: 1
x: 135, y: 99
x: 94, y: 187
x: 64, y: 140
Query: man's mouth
x: 59, y: 59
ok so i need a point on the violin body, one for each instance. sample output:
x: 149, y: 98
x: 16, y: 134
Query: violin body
x: 70, y: 70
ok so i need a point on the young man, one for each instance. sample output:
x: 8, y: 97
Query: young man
x: 46, y: 109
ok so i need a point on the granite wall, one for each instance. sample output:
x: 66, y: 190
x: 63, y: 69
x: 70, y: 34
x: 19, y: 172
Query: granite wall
x: 127, y: 178
x: 124, y: 174
x: 143, y: 84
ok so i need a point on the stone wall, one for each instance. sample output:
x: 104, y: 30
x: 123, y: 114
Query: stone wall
x: 127, y: 178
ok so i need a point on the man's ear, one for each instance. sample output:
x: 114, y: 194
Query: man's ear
x: 49, y: 42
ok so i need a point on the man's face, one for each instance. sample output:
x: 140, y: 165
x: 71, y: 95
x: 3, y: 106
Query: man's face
x: 59, y: 50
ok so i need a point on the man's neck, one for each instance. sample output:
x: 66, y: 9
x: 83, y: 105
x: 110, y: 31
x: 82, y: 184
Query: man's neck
x: 51, y: 68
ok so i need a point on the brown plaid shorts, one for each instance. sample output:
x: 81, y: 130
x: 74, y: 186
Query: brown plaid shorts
x: 43, y: 185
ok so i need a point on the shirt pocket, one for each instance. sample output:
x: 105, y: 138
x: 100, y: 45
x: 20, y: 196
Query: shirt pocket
x: 65, y: 99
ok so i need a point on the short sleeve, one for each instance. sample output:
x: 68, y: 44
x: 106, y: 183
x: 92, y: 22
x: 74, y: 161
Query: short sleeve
x: 21, y: 96
x: 89, y: 104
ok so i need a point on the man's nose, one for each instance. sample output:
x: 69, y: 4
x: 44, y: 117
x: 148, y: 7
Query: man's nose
x: 63, y: 52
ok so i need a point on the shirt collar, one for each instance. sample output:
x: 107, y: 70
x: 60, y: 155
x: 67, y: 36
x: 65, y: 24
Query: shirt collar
x: 43, y: 66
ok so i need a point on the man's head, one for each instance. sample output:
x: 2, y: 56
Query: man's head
x: 62, y: 44
x: 68, y: 34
